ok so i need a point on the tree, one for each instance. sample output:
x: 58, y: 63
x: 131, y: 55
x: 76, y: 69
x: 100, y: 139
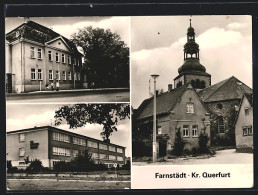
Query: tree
x: 35, y: 166
x: 82, y: 162
x: 179, y: 143
x: 203, y: 141
x: 106, y: 57
x: 79, y: 115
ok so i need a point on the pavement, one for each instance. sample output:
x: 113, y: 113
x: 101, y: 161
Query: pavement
x: 228, y: 156
x: 99, y: 94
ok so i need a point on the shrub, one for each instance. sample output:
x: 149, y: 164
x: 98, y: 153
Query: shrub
x: 10, y: 168
x: 35, y: 166
x: 179, y: 144
x: 61, y: 166
x: 194, y: 151
x: 203, y: 141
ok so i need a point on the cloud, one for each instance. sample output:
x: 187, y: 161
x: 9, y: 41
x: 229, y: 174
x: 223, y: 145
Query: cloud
x: 223, y: 52
x: 120, y: 25
x: 237, y: 25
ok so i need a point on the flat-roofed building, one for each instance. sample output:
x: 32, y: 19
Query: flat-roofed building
x: 50, y: 145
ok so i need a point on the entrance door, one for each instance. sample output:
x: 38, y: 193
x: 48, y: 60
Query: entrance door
x: 162, y: 148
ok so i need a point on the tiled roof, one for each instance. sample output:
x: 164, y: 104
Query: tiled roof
x: 230, y: 88
x: 39, y: 33
x: 164, y: 103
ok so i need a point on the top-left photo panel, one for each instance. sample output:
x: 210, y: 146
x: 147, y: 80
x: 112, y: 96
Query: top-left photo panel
x: 67, y: 59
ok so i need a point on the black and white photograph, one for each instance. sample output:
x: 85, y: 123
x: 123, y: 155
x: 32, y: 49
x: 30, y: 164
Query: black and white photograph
x: 68, y: 146
x: 192, y: 100
x: 67, y: 59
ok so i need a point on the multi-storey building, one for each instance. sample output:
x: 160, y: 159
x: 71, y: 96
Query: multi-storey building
x: 36, y: 56
x: 50, y: 145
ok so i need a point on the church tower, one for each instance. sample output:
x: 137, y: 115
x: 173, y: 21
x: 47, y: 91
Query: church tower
x: 192, y: 71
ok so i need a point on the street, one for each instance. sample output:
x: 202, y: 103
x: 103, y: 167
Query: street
x: 228, y: 156
x: 72, y: 96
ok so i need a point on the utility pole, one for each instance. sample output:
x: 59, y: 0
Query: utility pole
x: 154, y: 147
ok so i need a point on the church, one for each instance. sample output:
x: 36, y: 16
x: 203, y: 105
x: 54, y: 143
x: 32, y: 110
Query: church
x: 202, y: 107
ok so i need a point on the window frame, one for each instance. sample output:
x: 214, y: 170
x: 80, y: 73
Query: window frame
x: 57, y: 75
x: 220, y: 125
x: 248, y: 130
x: 64, y: 75
x: 190, y: 108
x: 69, y: 59
x: 50, y: 72
x: 247, y: 111
x: 40, y: 74
x: 195, y: 129
x: 50, y: 55
x: 32, y: 52
x: 63, y: 58
x: 57, y: 57
x: 186, y: 129
x: 39, y: 54
x: 245, y: 131
x: 20, y: 137
x: 33, y: 74
x: 20, y: 152
x: 69, y: 76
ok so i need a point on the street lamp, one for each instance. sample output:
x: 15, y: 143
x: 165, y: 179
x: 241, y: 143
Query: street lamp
x: 154, y: 148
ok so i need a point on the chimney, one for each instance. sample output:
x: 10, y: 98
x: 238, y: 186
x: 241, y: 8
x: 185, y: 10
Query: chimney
x: 170, y: 86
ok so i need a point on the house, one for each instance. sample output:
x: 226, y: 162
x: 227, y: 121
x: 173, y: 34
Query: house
x: 244, y: 124
x: 222, y: 101
x: 177, y: 109
x: 36, y: 56
x: 50, y: 145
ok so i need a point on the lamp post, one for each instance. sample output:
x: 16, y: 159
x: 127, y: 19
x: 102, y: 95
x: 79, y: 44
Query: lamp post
x: 154, y: 148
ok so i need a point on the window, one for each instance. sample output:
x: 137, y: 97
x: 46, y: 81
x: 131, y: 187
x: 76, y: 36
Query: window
x: 78, y: 62
x: 250, y: 130
x: 22, y: 137
x: 50, y: 74
x: 112, y: 157
x: 78, y: 76
x: 39, y: 53
x: 33, y: 74
x: 95, y: 156
x: 119, y: 150
x: 189, y: 108
x: 79, y: 141
x: 221, y: 125
x: 245, y: 131
x: 246, y: 111
x: 159, y: 130
x: 219, y: 106
x: 63, y: 58
x: 112, y: 148
x: 61, y: 151
x: 64, y: 75
x: 195, y: 131
x: 57, y: 57
x: 57, y: 75
x: 103, y: 156
x: 75, y: 76
x: 39, y: 74
x: 92, y: 144
x: 50, y: 56
x: 185, y: 131
x: 120, y: 158
x: 61, y: 137
x: 74, y: 61
x: 69, y: 60
x: 32, y: 52
x: 21, y: 152
x: 75, y: 153
x: 69, y: 76
x: 102, y: 146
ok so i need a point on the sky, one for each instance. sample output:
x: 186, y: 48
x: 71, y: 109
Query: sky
x: 22, y: 116
x: 157, y: 42
x: 66, y: 26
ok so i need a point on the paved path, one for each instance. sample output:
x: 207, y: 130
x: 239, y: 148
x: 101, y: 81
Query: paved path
x: 76, y: 96
x: 228, y: 156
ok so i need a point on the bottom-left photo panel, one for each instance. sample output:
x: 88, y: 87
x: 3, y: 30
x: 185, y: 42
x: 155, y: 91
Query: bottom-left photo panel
x: 68, y: 147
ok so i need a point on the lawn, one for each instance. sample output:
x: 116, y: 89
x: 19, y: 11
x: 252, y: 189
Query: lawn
x: 53, y: 184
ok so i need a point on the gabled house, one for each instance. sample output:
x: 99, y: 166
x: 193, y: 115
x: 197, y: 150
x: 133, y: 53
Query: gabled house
x: 244, y: 124
x: 177, y: 109
x: 36, y: 56
x: 222, y: 101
